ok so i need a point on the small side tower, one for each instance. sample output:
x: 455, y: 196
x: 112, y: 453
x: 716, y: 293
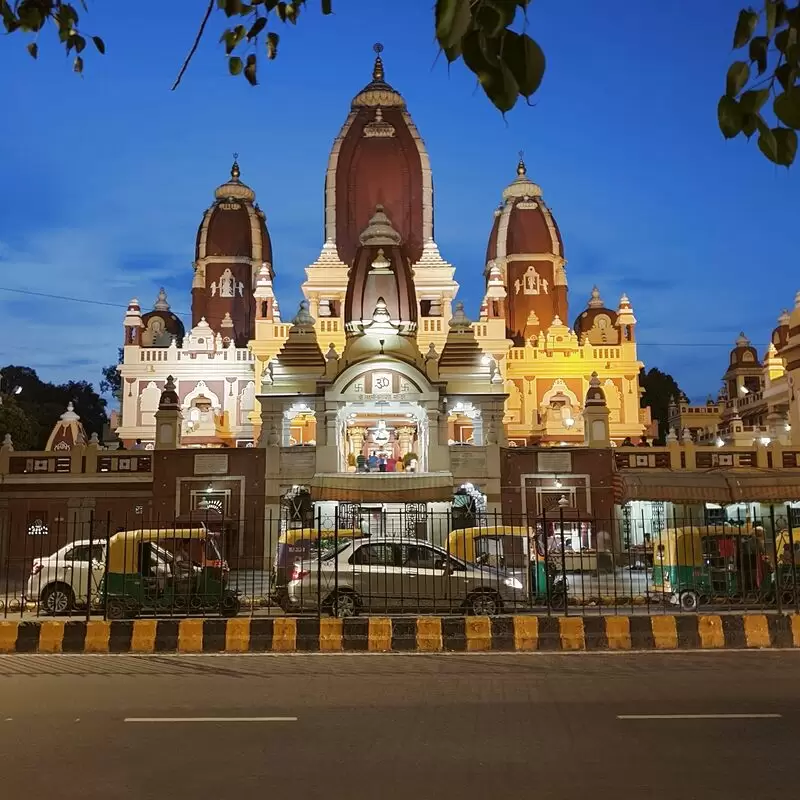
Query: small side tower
x: 595, y: 416
x: 168, y: 418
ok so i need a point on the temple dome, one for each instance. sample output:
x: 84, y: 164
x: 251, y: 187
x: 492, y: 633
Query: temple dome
x: 234, y: 225
x: 378, y: 158
x: 596, y: 316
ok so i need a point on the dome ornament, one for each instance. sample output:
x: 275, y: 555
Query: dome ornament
x: 595, y: 301
x: 235, y: 168
x: 377, y: 70
x: 521, y: 168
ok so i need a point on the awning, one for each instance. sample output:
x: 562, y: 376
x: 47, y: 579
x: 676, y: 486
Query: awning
x: 714, y: 486
x: 383, y: 487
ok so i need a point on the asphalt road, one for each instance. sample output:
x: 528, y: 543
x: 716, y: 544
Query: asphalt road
x: 400, y: 726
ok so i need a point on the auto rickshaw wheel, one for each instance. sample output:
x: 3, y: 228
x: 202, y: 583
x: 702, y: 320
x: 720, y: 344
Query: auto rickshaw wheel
x: 230, y: 606
x: 558, y: 600
x: 689, y: 601
x: 116, y: 609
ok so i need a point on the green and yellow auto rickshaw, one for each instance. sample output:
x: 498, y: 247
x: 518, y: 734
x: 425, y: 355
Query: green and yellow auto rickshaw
x: 516, y: 551
x: 298, y: 545
x: 167, y: 571
x: 704, y: 563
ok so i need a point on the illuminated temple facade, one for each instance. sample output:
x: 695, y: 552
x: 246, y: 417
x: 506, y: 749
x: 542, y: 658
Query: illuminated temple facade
x: 381, y: 359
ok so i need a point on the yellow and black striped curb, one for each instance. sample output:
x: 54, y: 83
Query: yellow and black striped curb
x: 403, y: 634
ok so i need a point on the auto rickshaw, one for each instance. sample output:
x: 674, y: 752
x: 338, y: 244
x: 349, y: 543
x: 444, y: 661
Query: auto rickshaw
x: 707, y: 562
x: 516, y: 551
x: 167, y: 571
x: 300, y: 544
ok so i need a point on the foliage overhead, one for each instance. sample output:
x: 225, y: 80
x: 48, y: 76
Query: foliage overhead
x: 769, y: 71
x: 44, y: 402
x: 14, y: 421
x: 508, y: 64
x: 112, y: 379
x: 657, y: 389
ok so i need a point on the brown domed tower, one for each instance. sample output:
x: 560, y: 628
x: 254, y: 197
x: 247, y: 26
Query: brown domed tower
x: 232, y: 245
x: 378, y: 158
x: 380, y: 307
x: 525, y: 244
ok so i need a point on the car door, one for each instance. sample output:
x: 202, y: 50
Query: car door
x: 425, y: 577
x: 376, y: 576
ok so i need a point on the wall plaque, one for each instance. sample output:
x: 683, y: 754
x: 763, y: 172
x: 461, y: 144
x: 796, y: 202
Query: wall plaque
x: 211, y: 464
x: 558, y: 462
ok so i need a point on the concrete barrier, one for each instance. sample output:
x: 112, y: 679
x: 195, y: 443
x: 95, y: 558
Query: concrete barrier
x: 403, y: 634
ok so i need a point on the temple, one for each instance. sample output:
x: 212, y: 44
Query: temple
x: 380, y: 370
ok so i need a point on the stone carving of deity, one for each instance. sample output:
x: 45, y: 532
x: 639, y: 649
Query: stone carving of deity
x: 227, y: 285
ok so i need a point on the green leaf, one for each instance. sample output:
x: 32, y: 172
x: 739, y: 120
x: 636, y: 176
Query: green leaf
x: 452, y: 53
x: 501, y: 88
x: 33, y: 49
x: 759, y: 46
x: 787, y: 108
x: 750, y: 123
x: 256, y: 28
x: 729, y: 116
x: 745, y: 28
x: 786, y: 76
x: 768, y: 144
x: 231, y: 7
x: 250, y: 70
x: 77, y: 65
x: 272, y: 45
x: 737, y: 77
x: 235, y: 65
x: 327, y: 7
x: 494, y: 16
x: 526, y: 61
x: 753, y: 100
x: 786, y: 140
x: 99, y: 44
x: 453, y: 19
x: 771, y: 10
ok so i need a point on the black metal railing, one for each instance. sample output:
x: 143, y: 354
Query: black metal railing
x: 364, y: 560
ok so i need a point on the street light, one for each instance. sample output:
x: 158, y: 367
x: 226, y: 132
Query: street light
x: 15, y: 391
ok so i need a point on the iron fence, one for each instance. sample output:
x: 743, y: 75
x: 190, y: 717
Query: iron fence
x: 343, y: 559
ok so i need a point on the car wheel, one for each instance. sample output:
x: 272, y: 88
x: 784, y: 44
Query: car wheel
x: 689, y: 601
x: 484, y: 604
x: 58, y: 599
x: 343, y: 604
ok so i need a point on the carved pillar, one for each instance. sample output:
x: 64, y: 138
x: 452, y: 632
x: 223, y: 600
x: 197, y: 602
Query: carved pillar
x: 405, y: 438
x: 356, y: 436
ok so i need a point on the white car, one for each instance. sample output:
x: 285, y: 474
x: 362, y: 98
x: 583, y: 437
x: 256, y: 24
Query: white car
x: 73, y: 574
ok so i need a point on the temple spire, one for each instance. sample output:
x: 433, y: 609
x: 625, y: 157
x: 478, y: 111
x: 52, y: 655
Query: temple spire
x: 521, y: 168
x: 235, y: 168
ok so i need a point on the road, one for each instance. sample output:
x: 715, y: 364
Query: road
x: 400, y: 726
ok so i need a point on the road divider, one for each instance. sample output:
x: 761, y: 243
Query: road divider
x: 425, y: 634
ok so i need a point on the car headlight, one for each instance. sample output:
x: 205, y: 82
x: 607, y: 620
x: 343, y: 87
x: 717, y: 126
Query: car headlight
x: 513, y: 583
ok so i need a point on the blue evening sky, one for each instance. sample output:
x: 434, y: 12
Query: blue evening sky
x: 105, y: 177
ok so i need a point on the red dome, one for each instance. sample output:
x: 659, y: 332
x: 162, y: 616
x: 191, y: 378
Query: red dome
x: 378, y: 158
x: 381, y: 275
x: 232, y: 244
x: 526, y: 245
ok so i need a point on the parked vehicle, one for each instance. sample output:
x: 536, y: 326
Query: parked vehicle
x: 381, y: 574
x: 517, y: 552
x: 298, y: 545
x: 194, y: 582
x: 72, y: 576
x: 702, y: 563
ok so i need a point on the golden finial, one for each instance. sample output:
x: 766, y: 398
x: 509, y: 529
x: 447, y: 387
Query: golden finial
x: 377, y: 70
x: 235, y: 168
x: 521, y: 169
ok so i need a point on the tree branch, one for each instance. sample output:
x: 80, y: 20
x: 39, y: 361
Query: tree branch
x: 196, y: 44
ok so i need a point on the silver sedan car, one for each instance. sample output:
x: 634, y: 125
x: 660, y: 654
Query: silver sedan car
x: 379, y: 575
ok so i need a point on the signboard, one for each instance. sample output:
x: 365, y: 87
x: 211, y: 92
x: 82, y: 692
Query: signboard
x: 211, y: 464
x: 558, y: 462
